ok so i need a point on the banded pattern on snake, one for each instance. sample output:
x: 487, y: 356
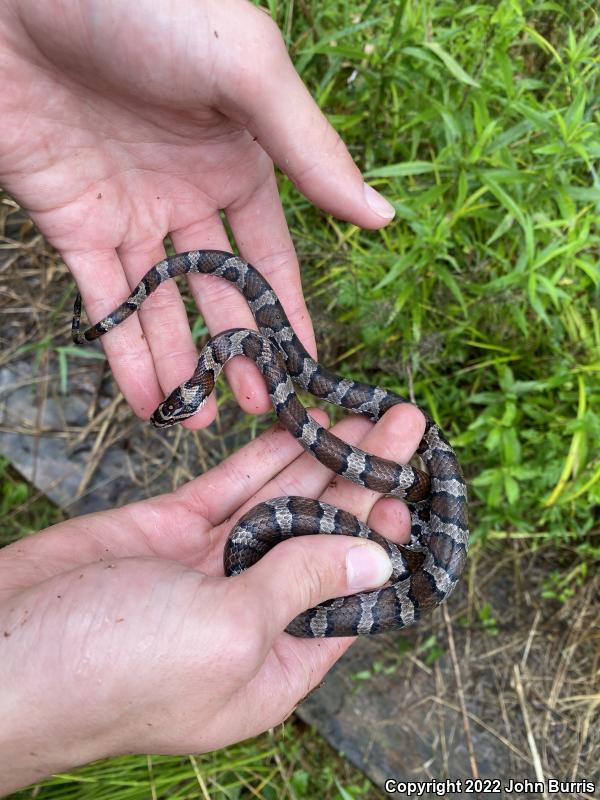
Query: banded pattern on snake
x: 425, y: 570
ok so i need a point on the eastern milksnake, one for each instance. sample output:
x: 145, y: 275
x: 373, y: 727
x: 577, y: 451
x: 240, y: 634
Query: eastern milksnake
x: 426, y: 570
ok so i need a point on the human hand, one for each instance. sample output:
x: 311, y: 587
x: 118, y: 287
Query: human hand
x: 121, y: 128
x: 119, y: 633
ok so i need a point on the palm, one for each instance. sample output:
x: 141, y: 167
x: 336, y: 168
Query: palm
x: 131, y: 602
x: 137, y: 142
x: 121, y: 129
x: 124, y: 196
x: 137, y: 594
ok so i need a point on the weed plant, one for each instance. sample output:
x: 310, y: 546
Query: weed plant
x: 481, y: 122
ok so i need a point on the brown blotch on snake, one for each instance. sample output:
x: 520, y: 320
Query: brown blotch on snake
x: 425, y: 570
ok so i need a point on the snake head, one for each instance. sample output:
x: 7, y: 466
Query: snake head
x: 172, y: 410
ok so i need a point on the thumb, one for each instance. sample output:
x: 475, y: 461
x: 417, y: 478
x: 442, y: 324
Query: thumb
x: 269, y: 98
x: 302, y: 572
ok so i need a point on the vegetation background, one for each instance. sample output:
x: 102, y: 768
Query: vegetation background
x: 480, y: 121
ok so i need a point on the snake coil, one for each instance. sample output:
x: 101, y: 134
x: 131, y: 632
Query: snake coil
x: 425, y: 570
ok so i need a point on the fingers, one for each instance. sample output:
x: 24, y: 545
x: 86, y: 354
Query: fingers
x: 265, y: 93
x: 261, y: 233
x: 239, y: 482
x: 291, y: 577
x: 222, y: 306
x: 175, y: 526
x: 395, y: 437
x: 166, y: 329
x: 151, y: 352
x: 300, y: 573
x: 103, y: 285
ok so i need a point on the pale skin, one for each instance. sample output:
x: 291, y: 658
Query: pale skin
x: 118, y: 631
x: 121, y: 128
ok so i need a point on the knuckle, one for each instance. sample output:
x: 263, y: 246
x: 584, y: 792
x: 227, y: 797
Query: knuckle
x: 289, y: 484
x: 406, y: 417
x: 269, y: 29
x: 216, y: 292
x: 414, y: 421
x: 332, y: 150
x: 312, y: 575
x: 264, y: 50
x: 275, y: 260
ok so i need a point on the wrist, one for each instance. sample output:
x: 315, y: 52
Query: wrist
x: 43, y: 730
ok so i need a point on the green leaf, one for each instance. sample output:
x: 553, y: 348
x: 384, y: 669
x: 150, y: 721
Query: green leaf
x: 300, y: 780
x: 543, y: 43
x: 405, y: 168
x: 399, y: 266
x: 511, y: 487
x: 451, y: 65
x: 452, y: 284
x: 344, y: 793
x: 505, y: 199
x: 81, y: 352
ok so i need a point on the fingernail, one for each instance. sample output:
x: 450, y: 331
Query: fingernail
x: 367, y: 567
x: 378, y: 203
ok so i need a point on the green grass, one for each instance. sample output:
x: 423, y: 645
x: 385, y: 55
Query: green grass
x: 481, y: 123
x: 22, y: 509
x: 273, y: 766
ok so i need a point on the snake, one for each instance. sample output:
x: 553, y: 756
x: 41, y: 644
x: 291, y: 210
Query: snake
x: 427, y: 568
